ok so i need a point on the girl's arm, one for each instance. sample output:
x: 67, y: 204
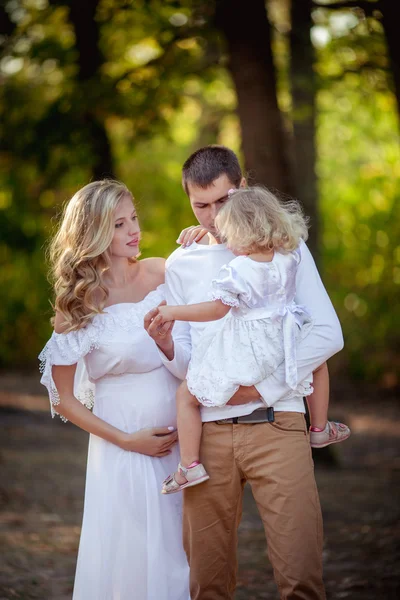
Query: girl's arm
x: 203, y: 312
x: 145, y: 441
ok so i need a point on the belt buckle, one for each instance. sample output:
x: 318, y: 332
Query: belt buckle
x: 267, y: 416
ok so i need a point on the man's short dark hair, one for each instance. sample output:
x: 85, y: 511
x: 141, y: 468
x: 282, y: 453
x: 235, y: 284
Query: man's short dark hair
x: 207, y: 164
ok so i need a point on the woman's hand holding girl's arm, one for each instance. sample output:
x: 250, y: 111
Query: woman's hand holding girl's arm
x: 145, y: 441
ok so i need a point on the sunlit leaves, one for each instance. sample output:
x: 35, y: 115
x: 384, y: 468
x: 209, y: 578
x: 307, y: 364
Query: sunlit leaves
x: 163, y: 90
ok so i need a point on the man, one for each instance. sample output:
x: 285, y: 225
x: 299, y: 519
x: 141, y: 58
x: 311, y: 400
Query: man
x: 240, y: 442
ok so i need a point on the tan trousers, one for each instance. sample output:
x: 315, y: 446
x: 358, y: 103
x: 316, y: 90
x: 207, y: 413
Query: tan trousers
x: 275, y: 458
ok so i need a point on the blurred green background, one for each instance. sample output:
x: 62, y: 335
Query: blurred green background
x: 305, y: 92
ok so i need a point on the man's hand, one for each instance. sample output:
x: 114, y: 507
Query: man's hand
x: 244, y: 395
x: 159, y: 331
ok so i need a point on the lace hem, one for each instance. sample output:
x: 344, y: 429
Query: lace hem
x: 133, y: 313
x: 47, y: 361
x: 218, y: 400
x: 69, y: 348
x: 303, y: 389
x: 226, y: 297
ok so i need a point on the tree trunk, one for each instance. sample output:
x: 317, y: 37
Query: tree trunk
x: 247, y: 32
x: 303, y: 86
x: 82, y: 16
x: 6, y: 25
x: 390, y: 12
x: 101, y: 148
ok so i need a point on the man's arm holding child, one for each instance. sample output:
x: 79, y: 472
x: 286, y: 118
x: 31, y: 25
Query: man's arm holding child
x: 325, y: 338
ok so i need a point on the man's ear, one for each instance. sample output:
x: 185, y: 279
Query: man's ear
x: 243, y: 183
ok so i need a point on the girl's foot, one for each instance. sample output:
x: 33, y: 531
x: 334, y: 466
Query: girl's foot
x: 184, y: 477
x: 332, y: 434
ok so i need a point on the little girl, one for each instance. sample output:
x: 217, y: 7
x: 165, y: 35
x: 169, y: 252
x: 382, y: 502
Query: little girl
x: 264, y: 324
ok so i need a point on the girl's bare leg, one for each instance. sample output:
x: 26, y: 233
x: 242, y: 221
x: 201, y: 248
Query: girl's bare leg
x: 189, y: 428
x: 318, y: 402
x: 322, y: 431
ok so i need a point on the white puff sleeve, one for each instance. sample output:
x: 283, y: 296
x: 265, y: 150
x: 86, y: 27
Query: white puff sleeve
x: 229, y: 287
x: 69, y: 349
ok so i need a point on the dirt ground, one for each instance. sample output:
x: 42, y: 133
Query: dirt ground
x: 42, y: 474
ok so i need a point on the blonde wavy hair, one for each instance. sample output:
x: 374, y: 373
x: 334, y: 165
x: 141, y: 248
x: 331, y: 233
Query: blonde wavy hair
x: 254, y: 220
x: 79, y: 253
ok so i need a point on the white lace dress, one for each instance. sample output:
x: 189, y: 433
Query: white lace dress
x: 130, y: 546
x: 260, y: 331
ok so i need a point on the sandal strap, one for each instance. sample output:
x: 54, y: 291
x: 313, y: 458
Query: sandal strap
x: 183, y: 470
x: 170, y: 483
x: 168, y: 479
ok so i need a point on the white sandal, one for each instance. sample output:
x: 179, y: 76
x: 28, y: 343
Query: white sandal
x: 193, y: 475
x: 333, y: 433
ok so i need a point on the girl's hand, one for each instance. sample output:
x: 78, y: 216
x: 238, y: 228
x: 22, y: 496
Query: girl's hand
x: 191, y: 234
x: 166, y: 314
x: 160, y: 332
x: 156, y: 441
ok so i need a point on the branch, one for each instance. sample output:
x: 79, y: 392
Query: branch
x: 367, y: 7
x: 364, y: 68
x: 159, y: 60
x: 180, y: 34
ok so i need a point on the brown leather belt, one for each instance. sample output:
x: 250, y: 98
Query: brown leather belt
x: 260, y: 415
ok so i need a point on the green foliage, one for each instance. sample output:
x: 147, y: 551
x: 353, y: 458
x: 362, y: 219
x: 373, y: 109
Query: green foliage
x: 161, y: 91
x: 359, y: 174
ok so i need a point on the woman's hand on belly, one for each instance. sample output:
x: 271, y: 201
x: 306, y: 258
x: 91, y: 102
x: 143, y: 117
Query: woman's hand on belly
x: 156, y: 441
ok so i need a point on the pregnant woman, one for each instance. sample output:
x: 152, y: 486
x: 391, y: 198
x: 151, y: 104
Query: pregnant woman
x: 130, y: 544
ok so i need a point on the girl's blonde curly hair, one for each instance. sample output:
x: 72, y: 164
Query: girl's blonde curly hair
x: 254, y: 220
x: 79, y: 253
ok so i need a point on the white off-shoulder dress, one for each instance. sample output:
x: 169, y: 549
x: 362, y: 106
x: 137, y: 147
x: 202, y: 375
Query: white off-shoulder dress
x: 131, y: 544
x: 260, y: 331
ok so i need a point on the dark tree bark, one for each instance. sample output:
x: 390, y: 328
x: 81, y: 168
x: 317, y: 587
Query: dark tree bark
x: 82, y: 16
x: 303, y: 83
x: 247, y: 32
x: 6, y: 25
x: 101, y: 148
x: 390, y: 12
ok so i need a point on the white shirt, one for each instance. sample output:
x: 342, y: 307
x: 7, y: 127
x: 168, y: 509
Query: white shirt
x: 189, y: 273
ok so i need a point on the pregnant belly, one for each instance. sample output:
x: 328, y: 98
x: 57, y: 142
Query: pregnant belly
x: 137, y: 400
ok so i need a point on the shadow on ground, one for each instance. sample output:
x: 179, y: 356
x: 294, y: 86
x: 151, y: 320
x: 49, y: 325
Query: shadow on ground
x: 42, y: 473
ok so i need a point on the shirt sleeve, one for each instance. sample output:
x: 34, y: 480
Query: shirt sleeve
x: 324, y: 340
x: 229, y: 287
x: 181, y: 331
x: 67, y: 349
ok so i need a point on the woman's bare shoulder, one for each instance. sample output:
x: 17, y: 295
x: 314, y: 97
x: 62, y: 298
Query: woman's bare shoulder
x: 155, y: 268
